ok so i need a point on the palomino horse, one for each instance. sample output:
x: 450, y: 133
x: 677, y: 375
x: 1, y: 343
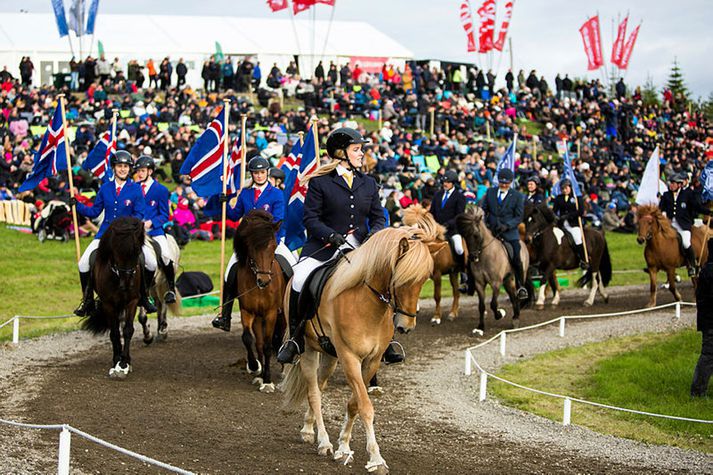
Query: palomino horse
x: 375, y: 289
x: 489, y: 264
x: 117, y: 279
x: 261, y: 288
x: 443, y: 260
x: 550, y: 251
x: 662, y: 251
x: 157, y: 292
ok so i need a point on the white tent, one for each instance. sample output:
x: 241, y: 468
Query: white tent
x: 194, y: 37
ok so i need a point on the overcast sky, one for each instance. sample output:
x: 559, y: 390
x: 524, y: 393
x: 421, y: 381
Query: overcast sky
x: 545, y: 33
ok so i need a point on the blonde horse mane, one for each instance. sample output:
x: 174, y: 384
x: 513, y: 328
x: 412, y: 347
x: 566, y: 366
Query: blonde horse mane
x: 417, y: 215
x: 380, y: 255
x: 663, y: 222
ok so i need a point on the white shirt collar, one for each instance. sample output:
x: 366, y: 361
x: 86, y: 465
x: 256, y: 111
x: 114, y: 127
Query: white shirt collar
x: 341, y: 171
x: 261, y: 188
x: 147, y: 183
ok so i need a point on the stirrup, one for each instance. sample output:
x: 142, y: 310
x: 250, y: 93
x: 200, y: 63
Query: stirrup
x: 522, y: 293
x: 221, y: 323
x: 285, y: 346
x: 402, y: 354
x: 169, y: 296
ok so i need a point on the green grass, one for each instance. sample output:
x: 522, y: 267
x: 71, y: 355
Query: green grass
x: 650, y: 372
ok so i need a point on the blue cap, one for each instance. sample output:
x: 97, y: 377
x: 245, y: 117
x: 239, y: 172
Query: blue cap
x: 505, y: 175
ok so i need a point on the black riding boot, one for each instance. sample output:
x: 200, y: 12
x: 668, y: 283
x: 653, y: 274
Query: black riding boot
x: 691, y: 263
x: 517, y: 271
x: 87, y: 306
x: 170, y: 273
x: 292, y: 348
x: 145, y: 285
x: 230, y: 291
x: 391, y: 355
x: 579, y: 250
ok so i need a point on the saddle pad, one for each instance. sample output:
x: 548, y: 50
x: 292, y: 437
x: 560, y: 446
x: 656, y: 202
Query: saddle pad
x: 285, y: 266
x: 312, y: 291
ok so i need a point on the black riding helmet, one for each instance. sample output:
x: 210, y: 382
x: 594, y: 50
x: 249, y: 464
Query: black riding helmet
x: 451, y: 176
x: 565, y: 182
x: 145, y: 161
x: 340, y: 139
x: 277, y: 173
x: 257, y: 164
x: 534, y: 179
x: 122, y: 156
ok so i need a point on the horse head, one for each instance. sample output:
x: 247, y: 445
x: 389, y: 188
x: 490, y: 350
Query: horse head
x: 537, y: 219
x: 647, y: 223
x: 471, y: 226
x: 120, y: 249
x: 255, y: 245
x: 412, y: 267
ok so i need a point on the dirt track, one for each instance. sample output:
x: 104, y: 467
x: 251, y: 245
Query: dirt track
x: 188, y: 403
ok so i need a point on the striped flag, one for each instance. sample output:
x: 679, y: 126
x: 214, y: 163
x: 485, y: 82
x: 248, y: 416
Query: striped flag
x: 98, y: 162
x: 507, y: 160
x: 234, y: 161
x: 466, y: 19
x: 204, y: 163
x: 51, y: 157
x: 567, y: 173
x: 308, y: 163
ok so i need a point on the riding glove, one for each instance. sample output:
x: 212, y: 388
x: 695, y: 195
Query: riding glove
x: 336, y: 239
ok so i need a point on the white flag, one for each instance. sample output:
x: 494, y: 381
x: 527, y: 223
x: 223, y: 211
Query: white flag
x: 76, y: 17
x: 649, y: 188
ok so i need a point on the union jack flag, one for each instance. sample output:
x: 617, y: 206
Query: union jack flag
x: 204, y: 163
x: 51, y: 157
x: 98, y: 162
x: 308, y: 161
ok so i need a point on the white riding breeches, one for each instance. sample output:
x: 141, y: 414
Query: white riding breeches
x: 457, y: 241
x: 149, y: 257
x: 281, y: 249
x: 685, y: 235
x: 163, y: 244
x: 305, y: 266
x: 575, y: 232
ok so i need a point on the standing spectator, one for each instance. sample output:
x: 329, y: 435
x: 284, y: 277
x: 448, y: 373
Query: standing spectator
x: 181, y: 71
x: 274, y: 79
x: 509, y: 80
x: 153, y: 75
x: 344, y: 75
x: 491, y: 81
x: 246, y: 72
x: 257, y: 76
x: 228, y: 74
x: 103, y: 69
x: 332, y: 74
x: 558, y: 86
x: 704, y: 324
x: 620, y: 89
x: 291, y: 69
x: 90, y: 72
x: 319, y: 73
x: 117, y: 70
x: 165, y: 74
x: 26, y: 70
x: 214, y: 73
x: 205, y: 74
x: 520, y: 80
x: 74, y: 74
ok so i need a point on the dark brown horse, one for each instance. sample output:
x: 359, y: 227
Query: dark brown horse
x: 261, y: 288
x: 117, y: 279
x: 550, y: 251
x: 662, y: 251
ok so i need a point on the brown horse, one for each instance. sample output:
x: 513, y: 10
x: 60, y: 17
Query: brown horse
x: 261, y: 288
x: 444, y: 262
x: 117, y: 279
x: 376, y: 288
x: 662, y: 251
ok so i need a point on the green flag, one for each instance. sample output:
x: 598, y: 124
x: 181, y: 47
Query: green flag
x: 100, y: 46
x: 219, y: 52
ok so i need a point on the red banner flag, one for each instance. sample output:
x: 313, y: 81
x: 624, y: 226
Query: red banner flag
x: 592, y: 43
x: 467, y: 19
x: 487, y: 26
x: 618, y: 47
x: 500, y: 43
x: 277, y: 5
x: 628, y: 48
x: 326, y: 2
x: 302, y: 5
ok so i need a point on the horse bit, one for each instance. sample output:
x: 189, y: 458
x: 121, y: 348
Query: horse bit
x: 391, y: 300
x: 119, y: 271
x: 258, y: 272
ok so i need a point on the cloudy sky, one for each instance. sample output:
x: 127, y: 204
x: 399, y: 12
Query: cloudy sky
x: 544, y: 33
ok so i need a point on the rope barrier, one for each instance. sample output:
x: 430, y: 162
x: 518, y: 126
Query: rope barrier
x: 470, y: 360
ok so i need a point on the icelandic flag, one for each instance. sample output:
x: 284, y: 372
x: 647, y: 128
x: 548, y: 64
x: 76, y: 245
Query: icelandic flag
x: 291, y: 166
x: 295, y: 234
x: 234, y: 161
x: 204, y: 163
x: 507, y: 160
x: 98, y: 162
x: 568, y: 173
x: 706, y: 181
x: 51, y: 157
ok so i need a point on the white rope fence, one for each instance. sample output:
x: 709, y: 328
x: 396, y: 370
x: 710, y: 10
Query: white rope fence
x: 471, y: 361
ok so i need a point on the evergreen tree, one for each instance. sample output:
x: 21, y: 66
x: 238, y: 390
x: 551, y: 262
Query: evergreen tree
x: 708, y: 107
x: 649, y: 95
x: 676, y: 83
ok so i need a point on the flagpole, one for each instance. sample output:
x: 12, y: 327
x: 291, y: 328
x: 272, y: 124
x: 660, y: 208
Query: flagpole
x: 114, y: 114
x: 302, y: 138
x: 71, y: 179
x: 316, y: 142
x: 576, y: 205
x: 226, y: 137
x: 243, y: 148
x: 705, y: 238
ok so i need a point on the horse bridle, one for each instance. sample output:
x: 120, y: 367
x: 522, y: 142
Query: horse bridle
x: 391, y: 299
x: 258, y: 272
x: 650, y: 234
x: 119, y: 271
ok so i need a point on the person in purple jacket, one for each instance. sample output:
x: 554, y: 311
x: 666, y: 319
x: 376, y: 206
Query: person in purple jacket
x: 155, y: 216
x: 117, y: 198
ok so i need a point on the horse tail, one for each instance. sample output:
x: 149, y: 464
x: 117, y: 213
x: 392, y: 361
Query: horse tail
x: 294, y: 387
x: 175, y: 307
x: 586, y: 278
x: 605, y: 269
x: 96, y: 323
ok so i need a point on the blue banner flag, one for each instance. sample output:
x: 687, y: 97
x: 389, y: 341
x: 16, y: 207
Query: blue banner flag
x: 295, y: 234
x: 204, y: 163
x: 567, y: 173
x: 51, y: 157
x: 92, y: 17
x: 707, y: 182
x: 507, y: 160
x: 58, y: 7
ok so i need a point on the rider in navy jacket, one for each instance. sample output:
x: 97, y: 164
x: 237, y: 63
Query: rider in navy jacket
x: 446, y: 205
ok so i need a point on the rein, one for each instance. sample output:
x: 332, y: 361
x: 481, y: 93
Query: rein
x: 475, y: 256
x: 119, y: 271
x: 391, y: 300
x: 258, y: 272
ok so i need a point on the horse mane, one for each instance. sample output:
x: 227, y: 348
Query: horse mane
x: 380, y: 254
x: 667, y: 230
x: 417, y: 215
x: 546, y: 212
x: 124, y: 227
x: 255, y: 232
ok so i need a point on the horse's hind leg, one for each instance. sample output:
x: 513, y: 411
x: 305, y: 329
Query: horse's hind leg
x: 601, y: 288
x: 593, y: 292
x: 162, y: 324
x: 344, y: 451
x: 437, y: 284
x: 144, y: 321
x: 497, y: 312
x: 480, y: 290
x: 455, y: 284
x: 309, y: 364
x: 554, y: 283
x: 671, y: 273
x: 512, y: 295
x: 247, y: 320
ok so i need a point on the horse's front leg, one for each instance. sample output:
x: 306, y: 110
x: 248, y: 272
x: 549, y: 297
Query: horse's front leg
x: 554, y: 283
x: 498, y: 313
x: 309, y: 365
x: 671, y: 273
x: 145, y: 326
x: 248, y: 319
x: 128, y: 335
x: 264, y: 350
x: 653, y: 274
x: 437, y: 284
x: 455, y: 285
x: 480, y: 290
x: 593, y: 292
x: 344, y: 452
x: 542, y: 291
x: 512, y: 295
x: 115, y: 337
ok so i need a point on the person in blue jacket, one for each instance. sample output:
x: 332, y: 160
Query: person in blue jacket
x: 261, y: 195
x: 117, y: 198
x: 156, y: 215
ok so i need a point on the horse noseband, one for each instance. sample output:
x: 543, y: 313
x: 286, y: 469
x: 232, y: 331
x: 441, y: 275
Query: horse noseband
x: 390, y: 301
x: 258, y: 272
x: 119, y: 271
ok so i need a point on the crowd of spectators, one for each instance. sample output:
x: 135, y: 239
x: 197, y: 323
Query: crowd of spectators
x: 421, y: 121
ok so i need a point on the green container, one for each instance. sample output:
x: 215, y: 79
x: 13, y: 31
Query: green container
x: 205, y: 301
x: 564, y: 282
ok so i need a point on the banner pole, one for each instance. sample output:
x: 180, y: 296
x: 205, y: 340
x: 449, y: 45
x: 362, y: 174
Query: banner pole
x: 316, y: 142
x: 705, y: 239
x: 223, y: 206
x: 243, y: 148
x: 71, y: 179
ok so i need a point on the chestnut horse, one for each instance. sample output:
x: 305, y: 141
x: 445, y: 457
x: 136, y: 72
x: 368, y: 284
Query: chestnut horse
x: 444, y: 262
x: 376, y: 288
x: 662, y: 251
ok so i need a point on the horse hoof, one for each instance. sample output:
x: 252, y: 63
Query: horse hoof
x: 257, y: 371
x: 148, y: 341
x: 539, y: 306
x: 162, y: 335
x: 324, y: 450
x: 375, y: 390
x: 606, y: 299
x: 117, y: 372
x: 587, y: 303
x: 477, y: 332
x: 516, y: 323
x: 500, y: 313
x: 435, y: 321
x: 452, y: 316
x: 307, y: 437
x: 257, y: 381
x: 267, y: 388
x: 344, y: 456
x: 380, y: 469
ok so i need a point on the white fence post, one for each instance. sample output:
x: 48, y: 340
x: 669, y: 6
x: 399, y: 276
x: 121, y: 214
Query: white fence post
x: 483, y: 386
x: 567, y: 417
x: 16, y: 330
x: 678, y: 310
x: 503, y: 343
x: 562, y: 323
x: 468, y: 363
x: 65, y: 441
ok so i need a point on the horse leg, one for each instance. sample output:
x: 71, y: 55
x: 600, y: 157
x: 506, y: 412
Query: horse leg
x: 259, y: 331
x: 498, y: 313
x: 162, y: 326
x: 115, y: 337
x: 123, y: 367
x: 455, y: 284
x: 144, y: 321
x: 512, y: 295
x: 593, y: 291
x: 671, y: 273
x: 542, y: 292
x: 554, y: 283
x: 344, y: 452
x: 268, y: 386
x: 602, y: 289
x: 437, y: 281
x: 480, y: 290
x: 653, y: 274
x: 327, y: 365
x: 247, y: 319
x: 309, y: 364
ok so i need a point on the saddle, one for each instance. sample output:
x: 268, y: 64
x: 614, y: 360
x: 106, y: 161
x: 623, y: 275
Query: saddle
x: 311, y: 294
x: 285, y: 267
